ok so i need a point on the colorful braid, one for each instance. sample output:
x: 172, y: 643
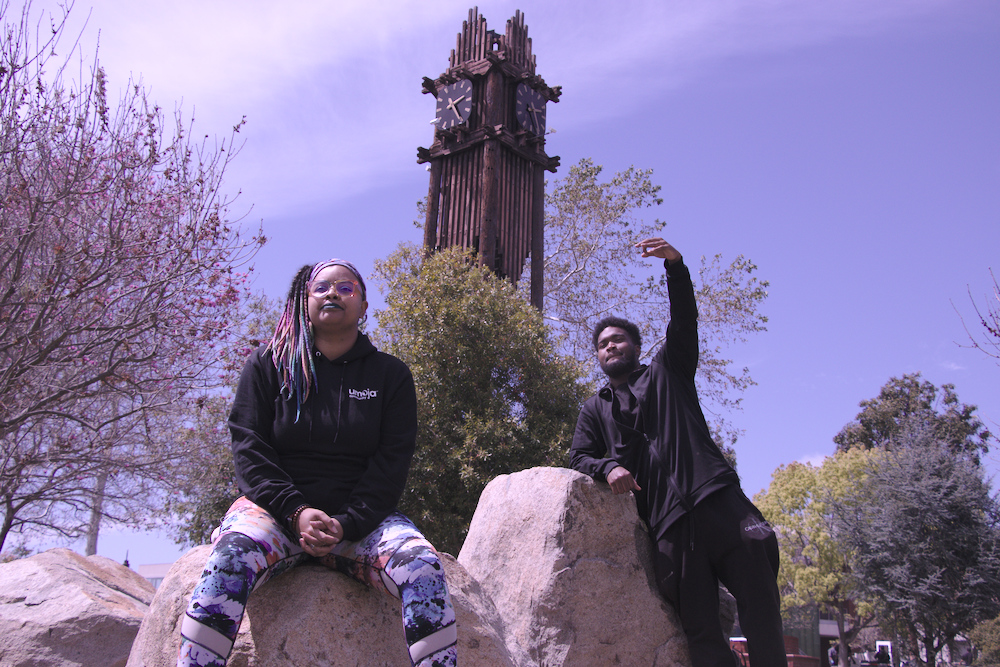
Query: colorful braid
x: 292, y: 342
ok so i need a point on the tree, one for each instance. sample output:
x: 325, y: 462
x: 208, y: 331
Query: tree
x: 204, y: 476
x: 986, y: 638
x: 988, y: 340
x: 903, y: 400
x: 815, y: 561
x: 122, y: 274
x: 590, y: 272
x: 493, y: 395
x: 924, y: 534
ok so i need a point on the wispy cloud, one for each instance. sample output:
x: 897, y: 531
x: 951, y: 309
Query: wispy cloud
x: 331, y: 89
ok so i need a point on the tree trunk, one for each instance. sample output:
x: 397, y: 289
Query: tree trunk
x: 845, y: 636
x: 843, y: 656
x: 930, y: 652
x: 8, y: 521
x: 95, y: 514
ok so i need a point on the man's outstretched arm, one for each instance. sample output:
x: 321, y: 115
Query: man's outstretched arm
x: 680, y: 351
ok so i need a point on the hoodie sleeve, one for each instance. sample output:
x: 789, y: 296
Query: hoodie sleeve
x: 589, y: 452
x: 258, y: 470
x: 381, y: 486
x: 680, y: 350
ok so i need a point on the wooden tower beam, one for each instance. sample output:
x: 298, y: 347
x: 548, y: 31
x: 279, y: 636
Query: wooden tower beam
x: 488, y: 161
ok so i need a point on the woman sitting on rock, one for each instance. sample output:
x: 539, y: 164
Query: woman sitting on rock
x: 323, y: 429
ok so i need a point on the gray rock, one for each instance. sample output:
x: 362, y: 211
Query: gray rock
x: 556, y: 570
x: 60, y: 609
x: 313, y: 616
x: 568, y: 565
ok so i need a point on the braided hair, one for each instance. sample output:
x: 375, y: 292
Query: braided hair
x: 292, y: 342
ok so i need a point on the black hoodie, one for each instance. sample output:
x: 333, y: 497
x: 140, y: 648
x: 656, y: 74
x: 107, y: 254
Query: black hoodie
x: 669, y: 451
x: 349, y: 451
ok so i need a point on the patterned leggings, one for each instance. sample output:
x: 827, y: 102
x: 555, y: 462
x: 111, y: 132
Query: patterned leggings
x: 250, y: 548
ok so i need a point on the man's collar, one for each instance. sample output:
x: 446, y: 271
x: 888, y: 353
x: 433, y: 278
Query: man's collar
x: 607, y: 390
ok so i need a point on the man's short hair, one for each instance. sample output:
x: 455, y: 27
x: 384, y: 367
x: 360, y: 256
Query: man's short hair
x: 612, y: 321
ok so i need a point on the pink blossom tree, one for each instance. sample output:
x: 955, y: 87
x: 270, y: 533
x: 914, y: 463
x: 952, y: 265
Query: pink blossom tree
x: 987, y: 340
x: 122, y: 273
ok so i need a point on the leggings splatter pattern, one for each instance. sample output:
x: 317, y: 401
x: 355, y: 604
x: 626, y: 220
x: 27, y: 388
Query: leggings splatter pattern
x: 250, y: 548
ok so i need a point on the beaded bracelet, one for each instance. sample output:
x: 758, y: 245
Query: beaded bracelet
x: 293, y: 520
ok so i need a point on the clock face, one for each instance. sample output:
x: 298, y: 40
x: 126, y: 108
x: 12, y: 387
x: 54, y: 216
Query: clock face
x: 530, y: 109
x: 454, y: 104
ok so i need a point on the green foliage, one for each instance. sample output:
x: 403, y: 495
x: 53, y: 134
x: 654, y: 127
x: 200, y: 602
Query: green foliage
x: 986, y: 638
x: 204, y: 479
x: 815, y: 561
x: 593, y: 270
x: 903, y: 400
x: 590, y: 230
x: 494, y: 396
x: 924, y: 534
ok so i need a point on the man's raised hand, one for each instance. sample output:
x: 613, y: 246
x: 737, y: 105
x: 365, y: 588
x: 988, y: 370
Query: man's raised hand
x: 657, y: 247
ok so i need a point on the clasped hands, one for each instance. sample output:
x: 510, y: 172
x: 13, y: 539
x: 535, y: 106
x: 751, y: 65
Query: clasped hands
x: 319, y: 533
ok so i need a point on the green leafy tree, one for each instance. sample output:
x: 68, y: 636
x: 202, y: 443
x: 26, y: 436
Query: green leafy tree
x: 204, y: 478
x: 592, y: 270
x: 815, y: 561
x: 985, y: 637
x: 908, y: 398
x: 494, y: 396
x: 924, y: 534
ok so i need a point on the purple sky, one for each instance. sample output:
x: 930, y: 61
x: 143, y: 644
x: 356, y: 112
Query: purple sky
x: 850, y: 149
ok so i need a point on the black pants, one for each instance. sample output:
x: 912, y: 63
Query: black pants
x: 723, y: 539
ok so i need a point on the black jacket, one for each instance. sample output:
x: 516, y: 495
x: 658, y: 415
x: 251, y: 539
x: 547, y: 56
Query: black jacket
x: 670, y: 452
x: 350, y: 450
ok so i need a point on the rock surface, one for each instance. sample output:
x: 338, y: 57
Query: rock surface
x: 313, y: 616
x: 60, y: 609
x: 569, y: 567
x: 556, y: 571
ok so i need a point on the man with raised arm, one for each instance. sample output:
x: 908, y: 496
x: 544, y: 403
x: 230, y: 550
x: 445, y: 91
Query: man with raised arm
x: 644, y: 432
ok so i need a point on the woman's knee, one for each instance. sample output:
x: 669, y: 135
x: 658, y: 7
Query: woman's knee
x: 217, y: 603
x: 414, y: 561
x: 235, y: 564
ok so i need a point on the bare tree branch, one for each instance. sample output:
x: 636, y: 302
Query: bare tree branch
x: 123, y: 275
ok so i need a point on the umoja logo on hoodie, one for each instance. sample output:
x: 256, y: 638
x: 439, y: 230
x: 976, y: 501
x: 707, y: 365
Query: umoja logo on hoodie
x: 363, y: 394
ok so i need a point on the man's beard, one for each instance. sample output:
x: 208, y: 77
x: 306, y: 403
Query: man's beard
x: 620, y: 366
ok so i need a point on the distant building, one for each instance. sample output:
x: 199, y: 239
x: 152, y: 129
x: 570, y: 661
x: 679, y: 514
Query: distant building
x: 155, y: 573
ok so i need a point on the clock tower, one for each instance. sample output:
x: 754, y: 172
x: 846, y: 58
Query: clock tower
x: 488, y: 161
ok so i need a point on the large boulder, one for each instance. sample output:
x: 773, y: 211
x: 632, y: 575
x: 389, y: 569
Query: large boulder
x: 311, y: 615
x: 60, y: 609
x: 568, y: 565
x: 556, y: 570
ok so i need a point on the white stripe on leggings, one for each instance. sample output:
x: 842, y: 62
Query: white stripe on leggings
x: 431, y: 644
x: 214, y: 641
x: 389, y: 584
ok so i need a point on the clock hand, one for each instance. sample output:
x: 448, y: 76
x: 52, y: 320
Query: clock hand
x: 452, y: 103
x: 537, y: 124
